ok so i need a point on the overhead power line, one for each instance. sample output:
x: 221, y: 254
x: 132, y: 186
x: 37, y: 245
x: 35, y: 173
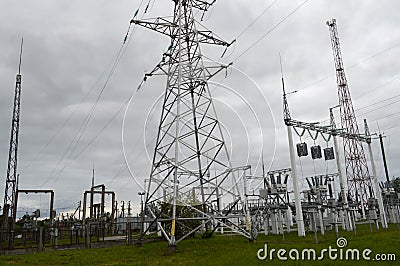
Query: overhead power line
x: 367, y: 106
x: 383, y: 117
x: 379, y: 108
x: 351, y: 66
x: 257, y: 18
x: 76, y: 139
x: 272, y: 29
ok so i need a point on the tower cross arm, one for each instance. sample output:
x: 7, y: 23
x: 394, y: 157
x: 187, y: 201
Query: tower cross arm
x: 328, y: 130
x: 202, y: 5
x: 211, y: 71
x: 159, y: 69
x: 209, y: 38
x: 160, y: 25
x: 162, y: 67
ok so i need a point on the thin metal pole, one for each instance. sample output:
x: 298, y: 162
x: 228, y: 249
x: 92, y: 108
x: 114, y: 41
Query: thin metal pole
x: 341, y: 177
x: 384, y: 158
x: 377, y: 188
x: 342, y: 187
x: 376, y: 183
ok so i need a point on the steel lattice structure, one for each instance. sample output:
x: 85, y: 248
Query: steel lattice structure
x: 182, y: 189
x: 358, y: 178
x: 10, y: 204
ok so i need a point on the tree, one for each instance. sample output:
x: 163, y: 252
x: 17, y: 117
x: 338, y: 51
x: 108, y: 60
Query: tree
x: 396, y: 184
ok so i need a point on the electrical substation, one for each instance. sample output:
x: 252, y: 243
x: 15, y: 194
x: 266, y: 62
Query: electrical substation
x: 193, y: 187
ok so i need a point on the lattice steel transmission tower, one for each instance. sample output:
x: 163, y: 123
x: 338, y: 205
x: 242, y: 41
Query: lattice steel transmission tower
x: 358, y: 178
x: 10, y: 205
x: 191, y: 177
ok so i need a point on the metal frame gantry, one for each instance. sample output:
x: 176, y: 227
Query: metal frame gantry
x: 333, y: 131
x: 92, y: 212
x: 36, y: 191
x: 277, y: 201
x: 318, y: 199
x: 270, y: 210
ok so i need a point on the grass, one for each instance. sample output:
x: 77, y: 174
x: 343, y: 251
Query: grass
x: 219, y: 250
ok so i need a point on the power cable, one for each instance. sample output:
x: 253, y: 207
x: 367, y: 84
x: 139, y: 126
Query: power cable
x: 84, y: 125
x: 51, y: 139
x: 90, y: 142
x: 93, y: 138
x: 384, y: 100
x: 272, y: 29
x: 376, y: 109
x: 369, y: 105
x: 256, y: 19
x: 377, y: 119
x: 373, y: 110
x: 78, y: 135
x: 351, y: 66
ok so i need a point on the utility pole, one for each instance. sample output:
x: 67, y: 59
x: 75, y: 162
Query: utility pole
x: 384, y: 159
x: 287, y: 119
x: 141, y: 194
x: 10, y: 204
x: 358, y: 178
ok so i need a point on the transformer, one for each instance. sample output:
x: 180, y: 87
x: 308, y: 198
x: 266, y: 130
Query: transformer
x: 302, y: 149
x: 316, y: 152
x: 329, y: 154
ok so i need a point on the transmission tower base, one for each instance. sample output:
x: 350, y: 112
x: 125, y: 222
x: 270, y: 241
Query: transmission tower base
x: 172, y: 249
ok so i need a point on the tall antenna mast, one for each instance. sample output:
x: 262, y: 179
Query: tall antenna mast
x: 358, y: 178
x: 10, y: 204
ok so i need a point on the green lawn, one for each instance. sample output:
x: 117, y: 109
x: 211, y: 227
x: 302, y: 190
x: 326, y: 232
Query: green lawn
x: 219, y: 250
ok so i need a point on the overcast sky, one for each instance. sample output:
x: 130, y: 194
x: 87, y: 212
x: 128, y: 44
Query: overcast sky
x: 68, y: 55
